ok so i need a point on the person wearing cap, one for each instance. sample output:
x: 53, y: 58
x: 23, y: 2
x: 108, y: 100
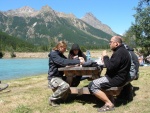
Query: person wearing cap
x: 74, y: 53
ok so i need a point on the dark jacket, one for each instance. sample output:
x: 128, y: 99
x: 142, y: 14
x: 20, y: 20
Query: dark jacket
x: 57, y: 60
x: 80, y: 53
x: 118, y: 66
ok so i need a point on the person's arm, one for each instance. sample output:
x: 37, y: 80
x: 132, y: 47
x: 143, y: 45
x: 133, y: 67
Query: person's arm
x: 63, y: 61
x: 113, y: 62
x: 69, y: 56
x: 84, y: 56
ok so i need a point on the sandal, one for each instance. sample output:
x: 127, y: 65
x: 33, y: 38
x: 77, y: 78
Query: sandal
x: 106, y: 108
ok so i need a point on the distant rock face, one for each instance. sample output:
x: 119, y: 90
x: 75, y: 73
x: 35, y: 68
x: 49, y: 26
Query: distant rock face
x: 61, y: 14
x: 93, y: 21
x: 46, y: 24
x: 22, y: 12
x: 89, y: 18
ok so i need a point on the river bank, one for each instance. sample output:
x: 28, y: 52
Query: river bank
x: 94, y: 54
x: 27, y: 54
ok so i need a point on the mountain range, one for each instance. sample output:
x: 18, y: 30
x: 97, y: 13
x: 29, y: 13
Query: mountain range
x: 45, y: 26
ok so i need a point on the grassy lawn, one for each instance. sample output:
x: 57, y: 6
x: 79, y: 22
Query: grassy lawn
x: 30, y: 95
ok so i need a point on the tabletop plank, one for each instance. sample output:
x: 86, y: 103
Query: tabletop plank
x: 77, y: 68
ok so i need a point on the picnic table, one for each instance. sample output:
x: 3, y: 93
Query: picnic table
x: 90, y: 72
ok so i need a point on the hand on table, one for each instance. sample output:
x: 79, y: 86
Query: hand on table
x: 81, y: 60
x: 75, y: 57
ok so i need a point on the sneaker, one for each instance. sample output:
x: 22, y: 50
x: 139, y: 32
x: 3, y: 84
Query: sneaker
x: 54, y: 103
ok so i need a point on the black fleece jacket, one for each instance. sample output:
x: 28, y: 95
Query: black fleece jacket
x: 118, y: 66
x: 57, y: 60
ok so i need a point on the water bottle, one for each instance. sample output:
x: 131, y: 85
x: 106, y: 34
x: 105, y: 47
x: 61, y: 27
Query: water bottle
x: 88, y: 55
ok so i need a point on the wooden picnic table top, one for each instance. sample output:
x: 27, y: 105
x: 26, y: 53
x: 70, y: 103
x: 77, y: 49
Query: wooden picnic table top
x: 77, y: 68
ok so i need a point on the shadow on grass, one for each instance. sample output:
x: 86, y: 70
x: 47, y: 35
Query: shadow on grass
x: 85, y: 99
x: 127, y: 95
x: 124, y: 98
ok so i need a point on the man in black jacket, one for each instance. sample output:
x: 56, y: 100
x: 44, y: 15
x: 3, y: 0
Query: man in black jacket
x: 118, y: 67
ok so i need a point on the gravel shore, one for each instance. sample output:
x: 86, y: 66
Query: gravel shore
x: 94, y: 54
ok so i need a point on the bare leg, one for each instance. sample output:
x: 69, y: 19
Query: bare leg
x: 102, y: 96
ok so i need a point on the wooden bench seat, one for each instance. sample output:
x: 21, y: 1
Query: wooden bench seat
x: 113, y: 91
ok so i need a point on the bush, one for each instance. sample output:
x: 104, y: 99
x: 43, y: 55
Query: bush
x: 83, y: 49
x: 1, y: 54
x: 12, y: 54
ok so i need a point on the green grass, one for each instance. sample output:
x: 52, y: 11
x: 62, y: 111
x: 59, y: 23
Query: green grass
x: 30, y: 95
x: 22, y: 109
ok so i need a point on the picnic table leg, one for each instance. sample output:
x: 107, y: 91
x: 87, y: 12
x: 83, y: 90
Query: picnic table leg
x: 111, y: 98
x: 69, y: 80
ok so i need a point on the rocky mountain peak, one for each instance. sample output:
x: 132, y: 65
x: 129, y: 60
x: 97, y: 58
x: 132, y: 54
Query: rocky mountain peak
x: 46, y: 9
x: 26, y: 9
x: 23, y: 12
x: 90, y: 16
x: 93, y: 21
x: 48, y: 14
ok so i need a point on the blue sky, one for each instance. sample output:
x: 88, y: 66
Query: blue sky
x: 117, y: 14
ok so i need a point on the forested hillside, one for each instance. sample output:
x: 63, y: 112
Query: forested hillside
x: 10, y: 43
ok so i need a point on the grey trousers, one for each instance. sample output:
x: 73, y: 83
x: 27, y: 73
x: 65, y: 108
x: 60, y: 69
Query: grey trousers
x: 59, y: 87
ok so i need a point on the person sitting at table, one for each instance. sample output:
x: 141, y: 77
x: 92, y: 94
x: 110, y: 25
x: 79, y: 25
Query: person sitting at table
x: 74, y: 53
x: 141, y: 59
x: 117, y: 70
x: 56, y: 80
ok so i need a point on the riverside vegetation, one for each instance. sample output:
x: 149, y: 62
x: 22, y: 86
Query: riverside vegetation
x: 30, y: 95
x: 11, y: 47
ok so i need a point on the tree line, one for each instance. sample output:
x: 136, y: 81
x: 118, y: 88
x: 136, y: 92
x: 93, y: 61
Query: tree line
x: 13, y: 44
x: 138, y: 35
